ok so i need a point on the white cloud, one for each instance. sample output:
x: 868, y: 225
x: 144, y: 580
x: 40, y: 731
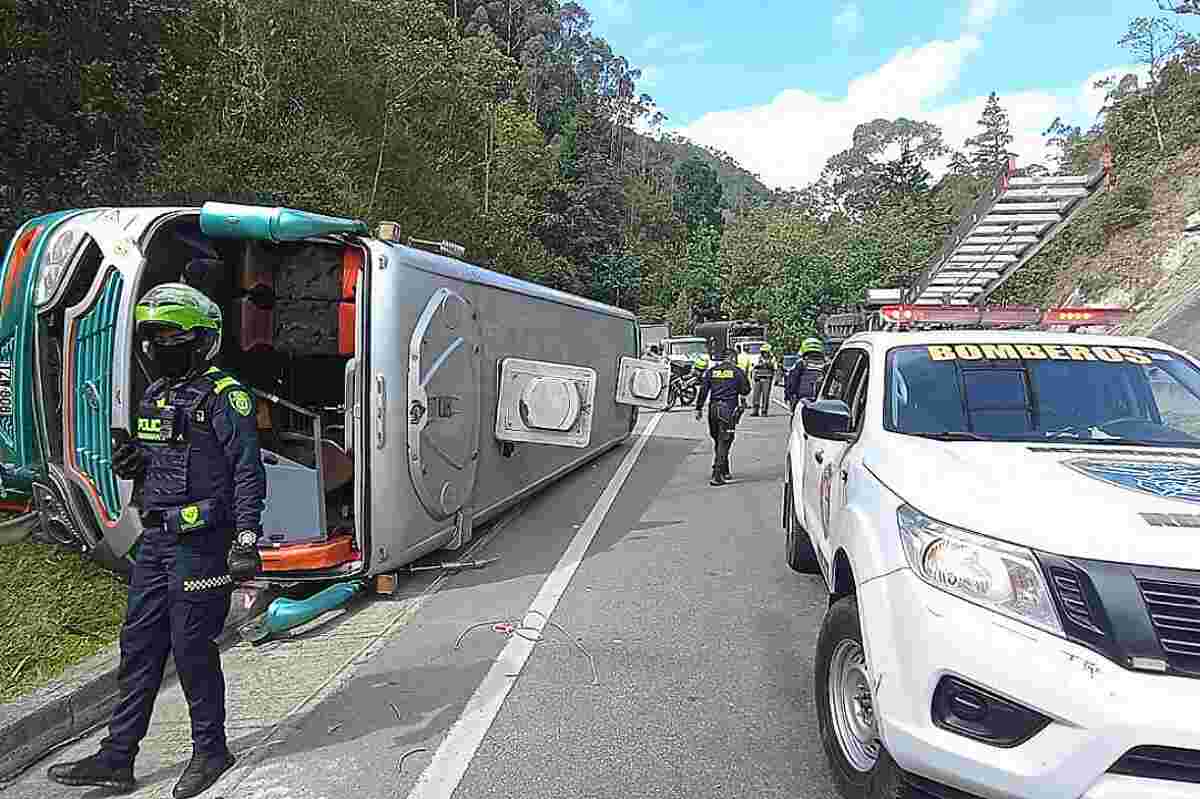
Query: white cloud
x: 980, y: 13
x: 788, y: 140
x: 848, y: 23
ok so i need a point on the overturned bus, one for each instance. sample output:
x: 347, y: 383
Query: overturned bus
x: 403, y: 396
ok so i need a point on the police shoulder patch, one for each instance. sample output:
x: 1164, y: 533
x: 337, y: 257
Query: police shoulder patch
x: 240, y: 401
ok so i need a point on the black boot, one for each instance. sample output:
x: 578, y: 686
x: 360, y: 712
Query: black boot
x: 717, y: 478
x: 93, y: 771
x: 201, y: 773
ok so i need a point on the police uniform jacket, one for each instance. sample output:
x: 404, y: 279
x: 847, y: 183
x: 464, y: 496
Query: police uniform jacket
x: 204, y: 473
x: 724, y: 382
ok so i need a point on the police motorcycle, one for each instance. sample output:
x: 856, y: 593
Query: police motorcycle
x: 685, y: 381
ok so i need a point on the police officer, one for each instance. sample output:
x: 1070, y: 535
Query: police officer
x: 203, y: 486
x: 726, y: 382
x: 764, y: 378
x: 805, y: 376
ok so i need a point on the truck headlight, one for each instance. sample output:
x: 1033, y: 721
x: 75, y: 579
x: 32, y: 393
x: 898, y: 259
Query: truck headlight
x: 998, y: 576
x: 59, y: 251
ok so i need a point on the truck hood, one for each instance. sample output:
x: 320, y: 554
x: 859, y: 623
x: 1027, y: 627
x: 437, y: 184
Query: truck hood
x: 1121, y: 504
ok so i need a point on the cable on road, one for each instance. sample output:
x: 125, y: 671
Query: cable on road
x: 403, y: 757
x: 510, y: 627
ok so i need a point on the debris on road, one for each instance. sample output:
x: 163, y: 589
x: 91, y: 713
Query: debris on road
x: 456, y: 564
x: 510, y: 627
x: 403, y: 757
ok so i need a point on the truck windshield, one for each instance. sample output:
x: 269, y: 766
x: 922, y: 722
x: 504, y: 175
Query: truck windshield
x: 1038, y: 392
x: 689, y: 349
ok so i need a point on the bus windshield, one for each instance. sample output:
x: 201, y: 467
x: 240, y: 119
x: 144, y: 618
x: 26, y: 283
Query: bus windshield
x: 1040, y: 392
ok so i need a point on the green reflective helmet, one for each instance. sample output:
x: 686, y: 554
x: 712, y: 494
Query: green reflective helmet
x: 179, y: 308
x: 812, y: 345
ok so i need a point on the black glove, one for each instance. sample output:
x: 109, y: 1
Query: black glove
x: 244, y: 561
x: 129, y: 462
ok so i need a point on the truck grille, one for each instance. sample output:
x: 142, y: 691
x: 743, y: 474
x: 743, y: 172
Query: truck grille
x: 92, y: 374
x: 1160, y: 763
x: 1175, y: 613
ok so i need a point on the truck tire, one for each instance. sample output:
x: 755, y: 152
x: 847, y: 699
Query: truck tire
x: 801, y: 556
x: 688, y: 395
x: 858, y: 761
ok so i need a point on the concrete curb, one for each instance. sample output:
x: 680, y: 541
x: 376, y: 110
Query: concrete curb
x: 34, y: 724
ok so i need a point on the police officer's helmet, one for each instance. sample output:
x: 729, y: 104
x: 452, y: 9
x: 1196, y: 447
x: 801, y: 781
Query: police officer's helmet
x: 812, y: 345
x: 179, y: 327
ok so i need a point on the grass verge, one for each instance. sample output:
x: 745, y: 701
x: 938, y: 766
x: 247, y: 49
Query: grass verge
x: 57, y: 608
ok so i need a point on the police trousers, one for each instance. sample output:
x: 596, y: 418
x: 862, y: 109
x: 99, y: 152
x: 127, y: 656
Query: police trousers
x: 721, y: 431
x: 761, y: 402
x: 162, y: 619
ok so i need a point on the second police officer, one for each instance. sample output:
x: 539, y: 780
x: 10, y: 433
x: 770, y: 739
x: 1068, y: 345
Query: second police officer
x: 203, y: 489
x: 723, y: 385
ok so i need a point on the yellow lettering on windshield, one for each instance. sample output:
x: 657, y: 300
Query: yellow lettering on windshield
x: 941, y: 353
x: 1078, y: 353
x: 1037, y: 352
x: 1135, y: 356
x: 1000, y: 352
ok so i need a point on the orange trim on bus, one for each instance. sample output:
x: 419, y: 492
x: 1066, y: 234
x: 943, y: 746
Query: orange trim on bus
x: 17, y: 265
x: 307, y: 557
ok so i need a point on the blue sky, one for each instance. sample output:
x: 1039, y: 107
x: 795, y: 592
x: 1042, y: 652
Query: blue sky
x: 780, y: 85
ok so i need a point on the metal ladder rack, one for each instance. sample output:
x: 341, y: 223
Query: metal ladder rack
x: 1008, y: 225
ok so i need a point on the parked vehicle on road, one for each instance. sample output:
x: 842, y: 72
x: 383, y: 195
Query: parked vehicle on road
x: 1004, y: 520
x: 653, y: 333
x: 403, y: 396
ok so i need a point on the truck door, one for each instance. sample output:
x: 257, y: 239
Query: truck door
x: 443, y: 404
x: 822, y: 458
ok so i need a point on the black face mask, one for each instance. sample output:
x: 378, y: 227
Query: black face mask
x: 173, y: 362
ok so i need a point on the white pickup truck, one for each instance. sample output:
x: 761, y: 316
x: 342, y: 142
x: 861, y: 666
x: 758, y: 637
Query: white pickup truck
x: 1008, y: 524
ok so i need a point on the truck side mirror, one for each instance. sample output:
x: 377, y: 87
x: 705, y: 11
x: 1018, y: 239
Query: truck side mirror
x: 828, y: 419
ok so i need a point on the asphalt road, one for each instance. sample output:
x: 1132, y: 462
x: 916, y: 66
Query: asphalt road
x: 701, y: 637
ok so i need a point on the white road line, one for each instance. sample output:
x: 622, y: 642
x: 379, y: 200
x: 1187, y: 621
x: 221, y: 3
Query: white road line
x: 445, y: 771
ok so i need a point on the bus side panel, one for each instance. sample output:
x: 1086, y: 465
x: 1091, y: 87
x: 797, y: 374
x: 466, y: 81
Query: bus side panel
x: 519, y: 326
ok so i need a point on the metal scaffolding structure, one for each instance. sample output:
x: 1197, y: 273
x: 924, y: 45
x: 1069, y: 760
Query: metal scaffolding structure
x: 1008, y: 225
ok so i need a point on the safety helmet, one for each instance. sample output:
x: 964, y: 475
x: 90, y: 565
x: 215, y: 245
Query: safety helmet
x: 812, y: 345
x: 179, y: 327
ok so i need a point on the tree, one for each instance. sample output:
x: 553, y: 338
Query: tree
x: 1180, y: 6
x: 855, y: 179
x: 1155, y: 41
x: 988, y: 150
x: 698, y: 195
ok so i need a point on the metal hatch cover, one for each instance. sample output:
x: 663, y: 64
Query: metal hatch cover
x: 443, y: 404
x: 545, y: 403
x: 643, y: 383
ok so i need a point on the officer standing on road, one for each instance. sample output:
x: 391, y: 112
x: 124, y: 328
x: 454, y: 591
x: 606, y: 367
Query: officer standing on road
x: 726, y: 382
x: 202, y: 478
x: 764, y: 378
x: 805, y: 377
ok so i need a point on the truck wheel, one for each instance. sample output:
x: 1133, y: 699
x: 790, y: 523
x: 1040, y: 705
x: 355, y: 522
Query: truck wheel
x: 860, y: 765
x: 688, y: 395
x: 801, y: 556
